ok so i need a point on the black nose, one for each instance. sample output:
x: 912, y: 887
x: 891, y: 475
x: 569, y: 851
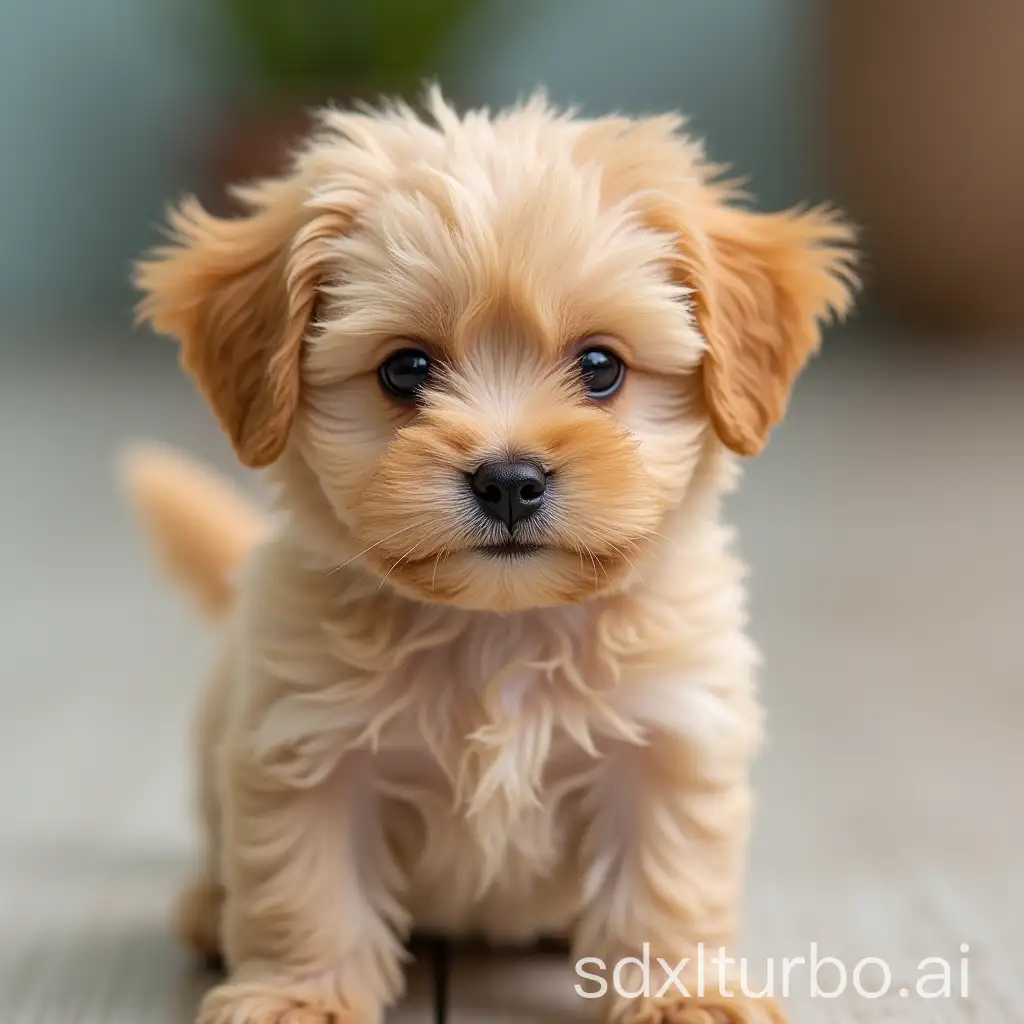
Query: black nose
x: 509, y: 491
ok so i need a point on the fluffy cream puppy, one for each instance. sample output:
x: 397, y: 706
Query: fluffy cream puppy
x: 489, y: 675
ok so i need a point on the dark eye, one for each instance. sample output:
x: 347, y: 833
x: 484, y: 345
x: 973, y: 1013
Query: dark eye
x: 602, y: 372
x: 404, y: 373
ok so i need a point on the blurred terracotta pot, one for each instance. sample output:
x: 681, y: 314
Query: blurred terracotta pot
x: 259, y: 138
x: 925, y: 116
x: 255, y: 138
x: 259, y: 132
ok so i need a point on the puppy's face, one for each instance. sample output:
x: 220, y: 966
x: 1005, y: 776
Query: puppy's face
x: 502, y: 347
x: 500, y: 401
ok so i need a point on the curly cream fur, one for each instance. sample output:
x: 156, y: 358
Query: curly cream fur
x: 401, y: 730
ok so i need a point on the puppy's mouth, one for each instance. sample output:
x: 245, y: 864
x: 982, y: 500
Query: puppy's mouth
x: 508, y: 549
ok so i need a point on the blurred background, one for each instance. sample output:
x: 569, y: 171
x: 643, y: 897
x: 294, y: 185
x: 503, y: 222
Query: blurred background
x: 882, y: 525
x: 908, y: 114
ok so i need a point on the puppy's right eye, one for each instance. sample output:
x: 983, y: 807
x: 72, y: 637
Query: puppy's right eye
x: 404, y: 374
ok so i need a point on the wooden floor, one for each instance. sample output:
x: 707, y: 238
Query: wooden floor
x: 886, y: 531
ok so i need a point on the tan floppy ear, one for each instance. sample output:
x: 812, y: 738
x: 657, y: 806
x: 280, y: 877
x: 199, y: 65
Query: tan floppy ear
x: 763, y: 286
x: 239, y: 294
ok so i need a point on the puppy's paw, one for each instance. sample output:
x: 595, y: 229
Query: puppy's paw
x: 710, y: 1009
x: 258, y: 1003
x: 197, y: 921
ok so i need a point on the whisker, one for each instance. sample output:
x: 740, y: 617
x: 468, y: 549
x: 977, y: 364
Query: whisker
x: 654, y: 533
x: 399, y: 561
x: 433, y: 576
x: 390, y: 536
x: 623, y: 555
x: 594, y: 562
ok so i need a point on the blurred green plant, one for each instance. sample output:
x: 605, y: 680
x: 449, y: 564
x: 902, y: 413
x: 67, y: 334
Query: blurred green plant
x: 295, y: 43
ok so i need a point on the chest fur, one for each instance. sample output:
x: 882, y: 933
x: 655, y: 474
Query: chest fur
x: 494, y: 740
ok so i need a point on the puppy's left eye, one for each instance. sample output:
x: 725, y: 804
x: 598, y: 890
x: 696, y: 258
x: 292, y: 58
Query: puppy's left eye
x: 602, y: 372
x: 405, y: 373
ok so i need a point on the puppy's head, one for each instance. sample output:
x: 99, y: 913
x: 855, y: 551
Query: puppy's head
x: 498, y: 348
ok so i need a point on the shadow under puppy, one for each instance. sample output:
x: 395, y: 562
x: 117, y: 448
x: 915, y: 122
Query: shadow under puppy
x: 489, y: 675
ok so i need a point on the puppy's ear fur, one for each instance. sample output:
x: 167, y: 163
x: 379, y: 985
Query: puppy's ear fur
x: 239, y: 294
x: 763, y: 285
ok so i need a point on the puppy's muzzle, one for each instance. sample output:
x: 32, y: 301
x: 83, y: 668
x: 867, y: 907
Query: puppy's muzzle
x: 509, y: 491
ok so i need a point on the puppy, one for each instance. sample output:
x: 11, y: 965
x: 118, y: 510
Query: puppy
x: 489, y: 675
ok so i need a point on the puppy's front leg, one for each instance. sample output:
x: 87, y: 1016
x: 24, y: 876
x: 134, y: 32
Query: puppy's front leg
x: 663, y: 860
x: 311, y: 919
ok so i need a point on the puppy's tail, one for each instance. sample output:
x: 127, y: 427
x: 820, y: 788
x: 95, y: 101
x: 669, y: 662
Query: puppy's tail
x: 201, y: 526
